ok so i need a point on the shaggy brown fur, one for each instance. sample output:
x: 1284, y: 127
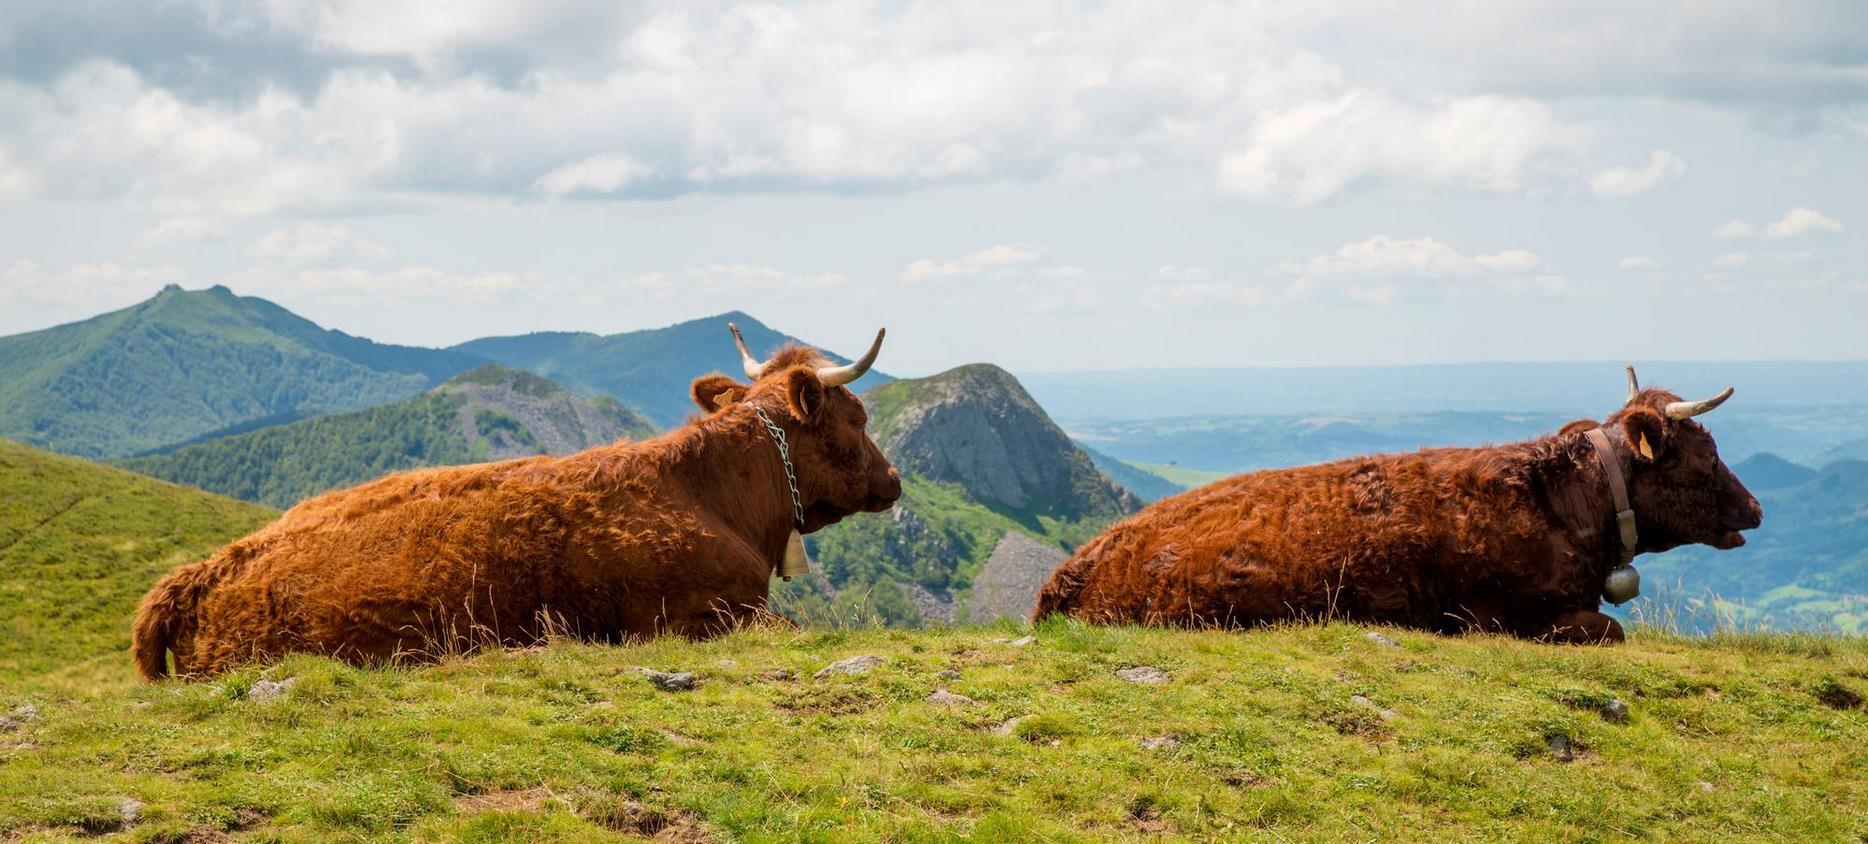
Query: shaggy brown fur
x: 679, y: 534
x: 1515, y: 538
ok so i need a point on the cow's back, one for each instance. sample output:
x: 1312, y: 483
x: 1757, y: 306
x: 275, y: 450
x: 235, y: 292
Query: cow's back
x: 431, y: 560
x: 1369, y: 537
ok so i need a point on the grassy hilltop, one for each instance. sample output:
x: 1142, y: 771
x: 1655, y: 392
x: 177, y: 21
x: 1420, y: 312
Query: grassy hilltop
x: 79, y: 545
x: 1252, y: 735
x: 1307, y: 733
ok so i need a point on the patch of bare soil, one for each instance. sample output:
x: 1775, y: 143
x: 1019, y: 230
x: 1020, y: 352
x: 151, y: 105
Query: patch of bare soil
x: 526, y: 800
x: 635, y: 819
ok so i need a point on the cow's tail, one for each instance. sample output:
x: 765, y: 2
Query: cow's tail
x: 159, y: 621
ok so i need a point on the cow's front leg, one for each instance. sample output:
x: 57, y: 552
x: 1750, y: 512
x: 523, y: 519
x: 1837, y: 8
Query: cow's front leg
x: 1584, y: 627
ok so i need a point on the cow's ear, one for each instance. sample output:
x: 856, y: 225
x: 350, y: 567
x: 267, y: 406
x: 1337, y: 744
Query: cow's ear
x: 805, y: 394
x: 715, y: 392
x: 1646, y: 431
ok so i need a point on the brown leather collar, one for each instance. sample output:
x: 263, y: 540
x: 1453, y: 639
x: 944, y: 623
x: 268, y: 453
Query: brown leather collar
x: 1618, y: 491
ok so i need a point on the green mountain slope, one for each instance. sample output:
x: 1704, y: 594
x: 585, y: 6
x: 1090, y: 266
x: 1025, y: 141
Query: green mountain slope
x: 650, y: 369
x: 490, y: 413
x: 1806, y: 567
x: 1289, y: 734
x: 1148, y: 486
x: 979, y: 459
x: 79, y: 545
x: 188, y: 362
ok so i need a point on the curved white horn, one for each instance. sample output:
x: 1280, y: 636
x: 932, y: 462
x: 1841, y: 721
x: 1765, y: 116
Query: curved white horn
x: 1634, y: 384
x: 1690, y: 409
x: 753, y: 367
x: 837, y: 376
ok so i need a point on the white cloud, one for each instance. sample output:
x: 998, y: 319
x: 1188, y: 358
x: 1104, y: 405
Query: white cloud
x: 1823, y: 285
x: 1734, y: 260
x: 1734, y: 228
x: 1385, y: 270
x: 1797, y: 222
x: 999, y: 259
x: 1637, y: 262
x: 313, y: 243
x: 1179, y: 272
x: 409, y: 282
x: 425, y: 32
x: 665, y: 99
x: 1800, y: 221
x: 725, y: 280
x: 1081, y: 167
x: 15, y: 183
x: 33, y: 296
x: 607, y: 173
x: 102, y: 132
x: 1319, y: 149
x: 1179, y: 295
x: 1179, y: 286
x: 925, y: 269
x: 182, y: 231
x: 1662, y: 167
x: 1003, y: 255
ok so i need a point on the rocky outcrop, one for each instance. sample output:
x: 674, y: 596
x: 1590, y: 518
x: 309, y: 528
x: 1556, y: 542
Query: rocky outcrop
x: 976, y: 427
x: 1007, y: 586
x: 993, y: 489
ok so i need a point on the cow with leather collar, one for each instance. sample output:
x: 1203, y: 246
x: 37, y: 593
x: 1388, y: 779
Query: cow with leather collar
x: 1521, y: 538
x: 678, y: 534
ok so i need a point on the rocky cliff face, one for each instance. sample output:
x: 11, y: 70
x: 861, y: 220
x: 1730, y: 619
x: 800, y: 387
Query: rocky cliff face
x: 975, y: 426
x: 984, y: 468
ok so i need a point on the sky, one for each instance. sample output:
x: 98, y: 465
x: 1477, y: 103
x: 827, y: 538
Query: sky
x: 1044, y: 185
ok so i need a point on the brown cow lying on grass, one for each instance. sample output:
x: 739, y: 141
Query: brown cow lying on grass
x: 679, y: 534
x: 1522, y: 538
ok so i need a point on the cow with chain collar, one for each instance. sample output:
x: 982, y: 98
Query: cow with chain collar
x: 1526, y: 538
x: 679, y: 534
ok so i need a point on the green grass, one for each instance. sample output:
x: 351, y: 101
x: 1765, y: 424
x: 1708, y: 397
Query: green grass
x: 1752, y: 736
x: 1181, y: 475
x: 79, y: 545
x: 1727, y: 738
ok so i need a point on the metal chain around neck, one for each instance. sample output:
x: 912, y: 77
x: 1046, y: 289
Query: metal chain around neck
x: 784, y: 456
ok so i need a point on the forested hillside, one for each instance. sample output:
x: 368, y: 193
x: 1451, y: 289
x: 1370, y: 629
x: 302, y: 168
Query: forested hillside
x: 489, y: 413
x: 649, y: 369
x: 188, y: 362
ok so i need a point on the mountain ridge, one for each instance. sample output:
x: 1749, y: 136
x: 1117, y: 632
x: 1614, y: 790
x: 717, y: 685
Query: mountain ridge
x: 652, y: 367
x: 187, y: 362
x: 491, y: 412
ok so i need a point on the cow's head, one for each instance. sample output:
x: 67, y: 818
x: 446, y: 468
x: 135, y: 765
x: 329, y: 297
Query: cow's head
x: 840, y: 470
x: 1682, y: 493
